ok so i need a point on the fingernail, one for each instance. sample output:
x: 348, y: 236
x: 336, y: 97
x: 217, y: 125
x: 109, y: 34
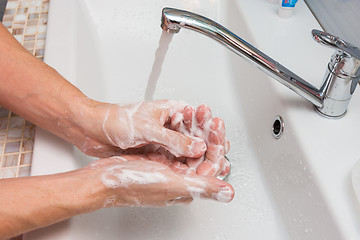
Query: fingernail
x: 225, y: 194
x: 198, y: 148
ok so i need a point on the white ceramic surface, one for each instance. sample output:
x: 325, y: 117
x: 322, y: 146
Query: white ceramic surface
x: 297, y: 187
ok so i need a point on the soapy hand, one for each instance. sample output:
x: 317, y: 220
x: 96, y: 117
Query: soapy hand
x: 153, y: 126
x: 140, y: 180
x: 200, y: 123
x: 139, y: 128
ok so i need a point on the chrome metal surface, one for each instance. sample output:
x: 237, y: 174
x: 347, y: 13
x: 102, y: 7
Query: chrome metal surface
x: 331, y: 99
x: 278, y: 127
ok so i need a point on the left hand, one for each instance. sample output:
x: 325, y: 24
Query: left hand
x: 134, y: 128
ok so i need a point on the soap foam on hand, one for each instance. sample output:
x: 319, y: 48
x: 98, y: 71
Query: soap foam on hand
x: 136, y: 125
x: 200, y: 123
x: 136, y: 181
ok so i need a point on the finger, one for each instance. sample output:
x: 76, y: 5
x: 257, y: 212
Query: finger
x: 215, y: 160
x: 211, y: 167
x: 194, y: 163
x: 160, y: 158
x: 226, y: 168
x: 176, y: 121
x: 179, y: 167
x: 189, y: 115
x: 203, y: 116
x: 209, y: 187
x: 227, y: 145
x: 217, y: 132
x: 168, y: 108
x: 178, y: 144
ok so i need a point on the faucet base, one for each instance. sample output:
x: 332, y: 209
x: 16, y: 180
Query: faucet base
x: 328, y: 116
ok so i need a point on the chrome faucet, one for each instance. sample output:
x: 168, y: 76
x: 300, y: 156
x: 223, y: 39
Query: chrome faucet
x: 340, y: 80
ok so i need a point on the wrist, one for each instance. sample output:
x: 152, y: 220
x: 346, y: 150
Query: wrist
x: 82, y: 122
x: 49, y: 199
x: 87, y: 193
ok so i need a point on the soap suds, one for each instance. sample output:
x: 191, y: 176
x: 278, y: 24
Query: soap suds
x: 121, y: 176
x: 224, y: 195
x: 129, y: 126
x: 196, y: 187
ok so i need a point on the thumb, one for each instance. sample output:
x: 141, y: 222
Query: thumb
x: 180, y: 145
x: 209, y: 187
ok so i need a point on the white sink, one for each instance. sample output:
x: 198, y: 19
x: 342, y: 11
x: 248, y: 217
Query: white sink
x: 297, y: 187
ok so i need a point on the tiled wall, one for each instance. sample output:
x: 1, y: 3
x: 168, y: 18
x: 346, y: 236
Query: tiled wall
x: 26, y: 20
x: 16, y: 145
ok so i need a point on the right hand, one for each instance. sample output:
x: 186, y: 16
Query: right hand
x: 200, y: 123
x: 140, y: 180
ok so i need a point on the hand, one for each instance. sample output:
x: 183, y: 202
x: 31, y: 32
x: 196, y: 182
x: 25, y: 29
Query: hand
x: 135, y: 128
x: 199, y: 123
x: 140, y: 180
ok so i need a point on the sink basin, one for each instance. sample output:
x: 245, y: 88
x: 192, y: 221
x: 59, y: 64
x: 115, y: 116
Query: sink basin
x: 294, y: 187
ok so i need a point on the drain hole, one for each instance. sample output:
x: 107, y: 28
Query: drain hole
x: 278, y: 127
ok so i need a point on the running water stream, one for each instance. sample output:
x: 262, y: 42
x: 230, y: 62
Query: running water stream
x: 160, y: 54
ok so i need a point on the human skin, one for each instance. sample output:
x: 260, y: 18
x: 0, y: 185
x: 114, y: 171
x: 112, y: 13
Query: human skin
x: 38, y: 93
x: 35, y: 91
x: 33, y: 202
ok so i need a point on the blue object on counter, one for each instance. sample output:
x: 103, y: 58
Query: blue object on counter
x: 286, y: 8
x: 288, y: 3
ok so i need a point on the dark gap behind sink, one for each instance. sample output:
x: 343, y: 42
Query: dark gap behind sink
x: 2, y: 8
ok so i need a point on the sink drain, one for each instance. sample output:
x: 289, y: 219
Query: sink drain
x: 278, y: 127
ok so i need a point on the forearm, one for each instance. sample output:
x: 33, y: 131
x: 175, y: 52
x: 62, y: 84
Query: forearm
x: 34, y: 202
x: 37, y: 92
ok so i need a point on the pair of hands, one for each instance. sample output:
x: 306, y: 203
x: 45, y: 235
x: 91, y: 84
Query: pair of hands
x: 168, y: 152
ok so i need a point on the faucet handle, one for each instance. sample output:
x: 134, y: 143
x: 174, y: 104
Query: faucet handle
x: 345, y: 62
x: 337, y: 43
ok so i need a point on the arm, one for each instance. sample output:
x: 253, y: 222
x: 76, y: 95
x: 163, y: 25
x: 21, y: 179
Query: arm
x: 34, y: 202
x: 36, y: 91
x: 132, y: 180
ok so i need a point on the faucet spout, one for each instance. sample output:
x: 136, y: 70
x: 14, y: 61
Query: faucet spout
x: 174, y: 19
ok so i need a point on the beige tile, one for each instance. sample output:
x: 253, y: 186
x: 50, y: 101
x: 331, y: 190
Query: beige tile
x: 8, y: 172
x: 10, y: 160
x: 29, y: 132
x: 2, y: 138
x: 3, y: 112
x: 26, y: 158
x: 28, y: 145
x: 12, y: 147
x: 31, y: 30
x: 14, y: 134
x: 24, y: 171
x: 11, y: 4
x: 16, y: 122
x: 29, y: 37
x: 3, y: 123
x: 27, y: 21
